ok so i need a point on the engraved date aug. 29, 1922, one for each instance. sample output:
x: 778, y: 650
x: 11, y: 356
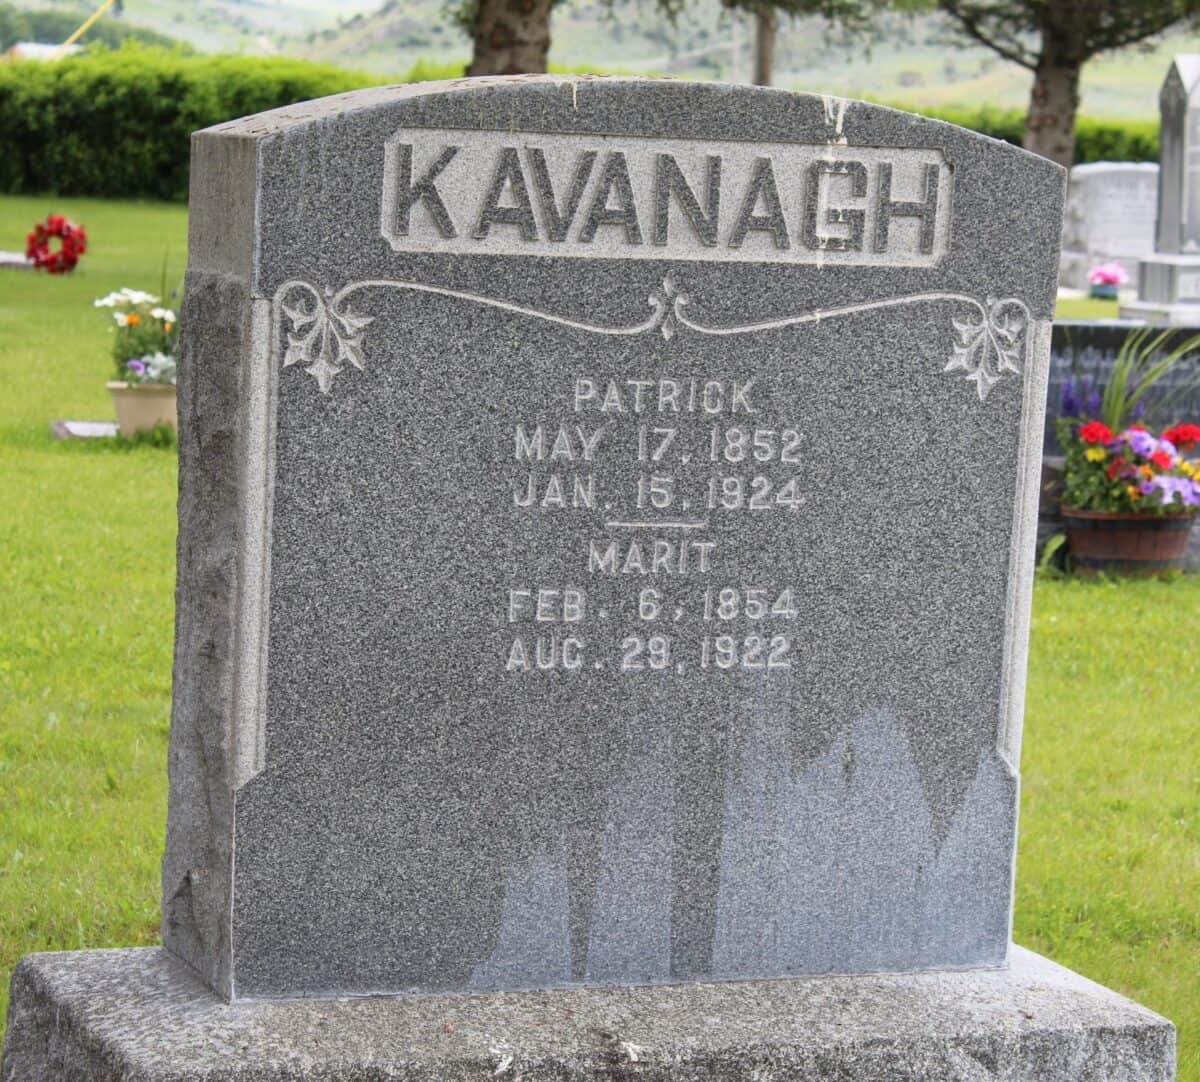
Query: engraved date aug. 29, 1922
x: 742, y: 629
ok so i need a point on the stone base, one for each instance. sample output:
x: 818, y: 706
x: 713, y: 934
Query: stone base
x: 84, y: 430
x: 1168, y: 291
x: 1163, y: 315
x: 141, y: 1015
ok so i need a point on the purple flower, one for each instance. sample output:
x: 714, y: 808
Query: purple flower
x: 1070, y: 398
x: 1169, y: 487
x: 1140, y: 442
x: 1080, y: 397
x: 136, y: 366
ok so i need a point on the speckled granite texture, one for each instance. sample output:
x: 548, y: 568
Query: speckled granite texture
x: 606, y: 538
x: 141, y: 1016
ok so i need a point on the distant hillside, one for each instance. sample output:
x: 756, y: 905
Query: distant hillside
x: 55, y: 25
x: 908, y: 62
x: 245, y: 26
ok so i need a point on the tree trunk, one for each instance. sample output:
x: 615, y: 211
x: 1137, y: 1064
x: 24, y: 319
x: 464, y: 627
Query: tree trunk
x: 512, y: 37
x: 1050, y: 122
x: 764, y: 46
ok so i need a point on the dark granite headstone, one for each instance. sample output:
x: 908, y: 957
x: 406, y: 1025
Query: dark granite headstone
x: 632, y: 539
x: 606, y: 535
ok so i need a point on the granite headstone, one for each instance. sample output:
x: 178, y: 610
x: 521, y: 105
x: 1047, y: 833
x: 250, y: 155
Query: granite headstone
x: 1110, y: 218
x: 632, y: 540
x: 606, y: 534
x: 1169, y: 278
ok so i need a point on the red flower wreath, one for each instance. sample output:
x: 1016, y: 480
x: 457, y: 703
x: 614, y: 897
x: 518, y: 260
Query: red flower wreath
x: 73, y: 243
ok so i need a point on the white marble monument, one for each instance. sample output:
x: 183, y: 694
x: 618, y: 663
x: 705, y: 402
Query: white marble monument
x: 1169, y: 280
x: 1110, y: 218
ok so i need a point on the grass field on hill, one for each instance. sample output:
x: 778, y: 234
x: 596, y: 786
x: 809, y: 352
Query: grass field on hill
x: 1109, y: 865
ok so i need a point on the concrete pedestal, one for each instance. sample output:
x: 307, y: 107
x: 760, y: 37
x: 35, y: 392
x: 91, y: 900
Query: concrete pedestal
x: 1168, y: 291
x: 1162, y: 315
x: 126, y: 1015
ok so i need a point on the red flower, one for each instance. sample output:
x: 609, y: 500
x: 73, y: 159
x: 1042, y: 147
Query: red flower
x: 1161, y: 459
x: 1095, y: 432
x: 1117, y: 465
x: 1183, y: 436
x: 1138, y: 428
x: 72, y: 244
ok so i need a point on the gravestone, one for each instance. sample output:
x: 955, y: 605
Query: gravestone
x: 1110, y: 218
x: 606, y: 534
x: 15, y: 261
x: 1169, y: 278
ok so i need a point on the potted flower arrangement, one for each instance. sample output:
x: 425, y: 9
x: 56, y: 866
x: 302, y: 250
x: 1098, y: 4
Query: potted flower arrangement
x: 1106, y: 280
x: 1129, y: 497
x: 145, y: 337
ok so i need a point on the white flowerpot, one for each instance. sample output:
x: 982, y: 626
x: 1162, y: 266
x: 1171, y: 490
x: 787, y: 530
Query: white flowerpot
x: 141, y: 406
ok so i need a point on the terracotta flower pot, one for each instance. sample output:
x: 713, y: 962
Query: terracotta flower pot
x: 1127, y: 542
x: 142, y: 406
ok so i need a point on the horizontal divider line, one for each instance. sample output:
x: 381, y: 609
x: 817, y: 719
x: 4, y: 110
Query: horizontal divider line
x: 667, y: 525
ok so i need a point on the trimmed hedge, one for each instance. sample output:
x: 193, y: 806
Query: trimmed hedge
x: 117, y: 123
x: 1095, y: 140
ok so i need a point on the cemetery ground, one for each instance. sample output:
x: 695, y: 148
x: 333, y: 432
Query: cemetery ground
x: 1109, y: 857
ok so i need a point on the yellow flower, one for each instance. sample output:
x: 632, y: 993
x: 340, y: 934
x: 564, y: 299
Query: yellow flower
x: 1096, y: 454
x: 1134, y: 494
x: 133, y: 319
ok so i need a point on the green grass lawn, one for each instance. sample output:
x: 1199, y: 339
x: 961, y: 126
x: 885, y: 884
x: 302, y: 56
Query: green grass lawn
x: 1109, y: 869
x: 1087, y: 308
x: 87, y: 555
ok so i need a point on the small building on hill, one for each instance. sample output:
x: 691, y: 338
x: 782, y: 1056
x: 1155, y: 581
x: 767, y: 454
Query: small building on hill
x: 37, y: 50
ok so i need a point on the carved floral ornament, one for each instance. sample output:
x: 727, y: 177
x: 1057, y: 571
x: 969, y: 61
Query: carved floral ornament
x: 320, y: 331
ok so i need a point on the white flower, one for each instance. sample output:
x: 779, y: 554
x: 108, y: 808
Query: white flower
x: 135, y: 296
x: 121, y: 318
x: 160, y: 367
x: 111, y: 301
x: 165, y: 314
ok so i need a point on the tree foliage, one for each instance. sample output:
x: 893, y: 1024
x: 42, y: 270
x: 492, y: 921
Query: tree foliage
x: 1025, y: 31
x: 1054, y: 39
x: 854, y: 16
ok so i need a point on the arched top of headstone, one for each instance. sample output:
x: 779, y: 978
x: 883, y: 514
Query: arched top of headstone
x: 410, y: 169
x: 589, y: 102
